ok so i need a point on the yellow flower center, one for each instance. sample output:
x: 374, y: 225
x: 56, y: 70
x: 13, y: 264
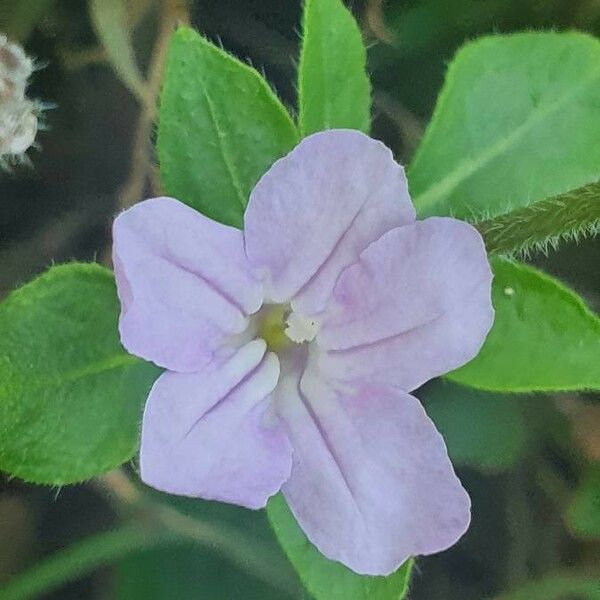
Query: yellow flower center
x: 280, y: 327
x: 271, y: 327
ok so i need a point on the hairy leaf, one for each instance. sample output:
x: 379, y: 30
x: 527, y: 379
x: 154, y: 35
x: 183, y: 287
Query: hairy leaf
x: 220, y: 128
x: 544, y: 337
x: 70, y: 397
x: 333, y: 86
x: 516, y: 122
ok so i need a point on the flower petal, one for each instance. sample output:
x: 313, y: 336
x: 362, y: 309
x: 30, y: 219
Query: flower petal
x: 417, y: 304
x: 208, y: 435
x: 317, y: 208
x: 183, y: 282
x: 371, y: 482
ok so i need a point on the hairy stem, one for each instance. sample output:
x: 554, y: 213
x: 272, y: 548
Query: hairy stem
x: 544, y: 224
x: 82, y: 558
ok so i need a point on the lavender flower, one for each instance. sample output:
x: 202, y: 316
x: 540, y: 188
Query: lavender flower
x: 291, y: 349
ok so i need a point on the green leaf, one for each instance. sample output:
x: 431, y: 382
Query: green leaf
x: 516, y: 122
x: 326, y: 579
x: 70, y: 397
x: 544, y: 337
x: 111, y: 23
x: 545, y: 223
x: 481, y: 430
x: 220, y: 128
x: 583, y: 515
x: 333, y: 86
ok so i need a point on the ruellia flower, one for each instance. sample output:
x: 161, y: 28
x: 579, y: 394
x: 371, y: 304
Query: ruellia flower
x: 291, y: 347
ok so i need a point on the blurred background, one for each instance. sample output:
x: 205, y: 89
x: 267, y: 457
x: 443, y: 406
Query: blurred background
x: 530, y: 463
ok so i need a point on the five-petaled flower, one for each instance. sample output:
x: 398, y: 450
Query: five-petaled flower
x: 291, y: 348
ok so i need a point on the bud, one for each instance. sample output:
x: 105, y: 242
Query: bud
x: 15, y: 69
x: 18, y: 114
x: 18, y: 127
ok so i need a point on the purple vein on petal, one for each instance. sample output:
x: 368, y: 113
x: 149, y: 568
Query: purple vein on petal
x: 211, y: 284
x: 340, y: 239
x: 390, y: 338
x: 226, y: 395
x: 384, y: 340
x: 326, y: 441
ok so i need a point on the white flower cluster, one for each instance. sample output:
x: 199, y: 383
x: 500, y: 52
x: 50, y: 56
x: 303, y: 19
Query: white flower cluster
x: 18, y: 114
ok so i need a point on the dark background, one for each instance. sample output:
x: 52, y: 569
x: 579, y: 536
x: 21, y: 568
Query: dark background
x: 61, y: 209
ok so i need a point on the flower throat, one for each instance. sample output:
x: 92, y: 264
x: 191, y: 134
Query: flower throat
x: 281, y: 327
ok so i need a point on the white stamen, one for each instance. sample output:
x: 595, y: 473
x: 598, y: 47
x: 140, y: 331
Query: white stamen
x: 300, y: 329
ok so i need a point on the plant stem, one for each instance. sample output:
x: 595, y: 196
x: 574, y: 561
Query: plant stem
x: 545, y: 223
x: 150, y: 524
x: 172, y: 12
x: 229, y: 542
x: 82, y: 558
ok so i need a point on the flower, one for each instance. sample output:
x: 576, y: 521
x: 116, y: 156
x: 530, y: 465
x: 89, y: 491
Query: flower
x: 291, y: 349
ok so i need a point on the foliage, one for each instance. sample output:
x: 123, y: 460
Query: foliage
x: 513, y: 146
x: 71, y: 401
x: 537, y: 317
x: 333, y: 86
x: 501, y: 136
x: 220, y: 128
